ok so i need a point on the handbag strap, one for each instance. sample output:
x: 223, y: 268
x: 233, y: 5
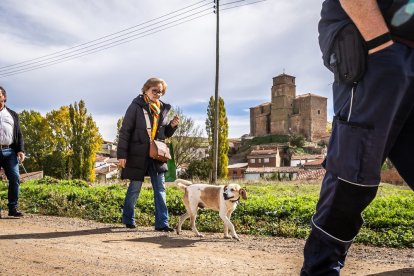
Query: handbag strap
x: 147, y: 122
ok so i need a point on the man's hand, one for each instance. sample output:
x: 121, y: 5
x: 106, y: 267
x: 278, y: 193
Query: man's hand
x: 368, y: 18
x: 20, y: 156
x: 122, y: 162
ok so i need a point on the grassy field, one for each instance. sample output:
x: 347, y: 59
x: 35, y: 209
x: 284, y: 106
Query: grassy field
x: 272, y: 209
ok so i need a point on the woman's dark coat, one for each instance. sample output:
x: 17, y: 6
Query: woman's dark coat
x: 133, y: 144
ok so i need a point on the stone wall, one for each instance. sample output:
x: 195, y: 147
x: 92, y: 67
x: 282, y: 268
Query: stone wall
x: 287, y: 113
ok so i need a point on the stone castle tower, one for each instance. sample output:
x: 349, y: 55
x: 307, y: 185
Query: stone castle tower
x: 290, y: 114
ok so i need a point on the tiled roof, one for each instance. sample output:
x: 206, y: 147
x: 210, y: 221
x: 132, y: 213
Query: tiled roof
x: 100, y: 158
x: 237, y: 166
x: 311, y: 174
x: 314, y: 163
x: 272, y: 169
x: 106, y: 170
x: 306, y: 156
x: 112, y: 160
x: 262, y: 152
x: 309, y: 95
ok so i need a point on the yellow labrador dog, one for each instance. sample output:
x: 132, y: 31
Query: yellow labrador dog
x: 223, y: 198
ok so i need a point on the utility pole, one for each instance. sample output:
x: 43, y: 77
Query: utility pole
x: 216, y: 98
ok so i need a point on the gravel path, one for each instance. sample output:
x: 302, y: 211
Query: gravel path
x: 43, y: 245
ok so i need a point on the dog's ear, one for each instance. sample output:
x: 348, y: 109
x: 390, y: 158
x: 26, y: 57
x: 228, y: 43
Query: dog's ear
x: 243, y: 193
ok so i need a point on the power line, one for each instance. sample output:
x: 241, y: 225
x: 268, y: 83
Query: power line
x: 106, y: 36
x: 237, y: 6
x: 76, y: 54
x: 74, y: 49
x: 105, y: 43
x: 229, y: 3
x: 98, y: 49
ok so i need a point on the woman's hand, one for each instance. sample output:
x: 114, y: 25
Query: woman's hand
x: 175, y: 121
x: 122, y: 162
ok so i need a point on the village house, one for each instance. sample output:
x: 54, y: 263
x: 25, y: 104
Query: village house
x: 264, y: 158
x: 303, y: 159
x: 270, y: 161
x: 105, y: 168
x: 103, y: 174
x: 275, y: 173
x: 108, y: 149
x: 236, y: 171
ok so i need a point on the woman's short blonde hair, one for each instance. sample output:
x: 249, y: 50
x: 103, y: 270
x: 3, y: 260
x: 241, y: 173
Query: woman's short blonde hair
x: 154, y: 82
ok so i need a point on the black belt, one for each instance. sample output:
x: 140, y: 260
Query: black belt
x: 2, y: 147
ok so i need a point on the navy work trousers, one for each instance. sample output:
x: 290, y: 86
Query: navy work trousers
x: 373, y: 120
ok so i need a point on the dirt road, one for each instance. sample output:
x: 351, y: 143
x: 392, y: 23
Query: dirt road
x: 41, y: 245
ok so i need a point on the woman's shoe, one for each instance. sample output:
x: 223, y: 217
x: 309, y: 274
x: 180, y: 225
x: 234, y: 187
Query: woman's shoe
x: 131, y: 226
x: 165, y: 229
x: 14, y: 213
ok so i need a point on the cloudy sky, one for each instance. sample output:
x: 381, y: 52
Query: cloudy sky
x: 257, y: 42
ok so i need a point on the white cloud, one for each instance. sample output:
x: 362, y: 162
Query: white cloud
x: 258, y: 42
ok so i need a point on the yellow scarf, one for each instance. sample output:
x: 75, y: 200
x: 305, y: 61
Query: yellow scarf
x: 155, y: 109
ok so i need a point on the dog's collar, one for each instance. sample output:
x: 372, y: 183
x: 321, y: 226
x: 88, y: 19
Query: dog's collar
x: 235, y: 201
x: 226, y: 197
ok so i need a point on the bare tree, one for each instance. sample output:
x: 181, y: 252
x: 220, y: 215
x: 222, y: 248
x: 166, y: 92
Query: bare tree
x: 186, y: 140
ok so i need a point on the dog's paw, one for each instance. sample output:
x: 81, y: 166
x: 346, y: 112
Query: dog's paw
x: 199, y: 235
x: 228, y: 237
x: 236, y: 238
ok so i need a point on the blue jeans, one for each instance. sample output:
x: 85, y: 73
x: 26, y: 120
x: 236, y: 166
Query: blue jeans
x: 10, y: 165
x: 160, y: 204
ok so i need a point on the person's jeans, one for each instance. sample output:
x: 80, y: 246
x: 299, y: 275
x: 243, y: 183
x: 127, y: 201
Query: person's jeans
x: 160, y: 204
x: 10, y: 165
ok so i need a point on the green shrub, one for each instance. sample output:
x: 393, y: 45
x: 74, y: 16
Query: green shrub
x: 270, y: 139
x: 272, y: 209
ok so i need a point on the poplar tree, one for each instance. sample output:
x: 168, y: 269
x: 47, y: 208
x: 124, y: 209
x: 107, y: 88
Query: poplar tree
x: 223, y: 130
x: 118, y: 128
x: 57, y: 164
x: 85, y: 142
x: 37, y: 137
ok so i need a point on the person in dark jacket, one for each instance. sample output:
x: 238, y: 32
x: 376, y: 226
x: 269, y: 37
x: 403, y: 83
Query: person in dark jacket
x: 11, y: 152
x: 133, y: 150
x: 374, y: 119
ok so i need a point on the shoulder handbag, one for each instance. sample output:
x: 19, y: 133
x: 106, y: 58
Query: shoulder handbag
x: 158, y: 150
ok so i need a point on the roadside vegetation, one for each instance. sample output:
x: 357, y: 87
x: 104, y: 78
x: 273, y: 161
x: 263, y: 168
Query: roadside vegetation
x: 272, y: 208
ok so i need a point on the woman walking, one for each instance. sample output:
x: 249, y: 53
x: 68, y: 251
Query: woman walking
x: 133, y: 150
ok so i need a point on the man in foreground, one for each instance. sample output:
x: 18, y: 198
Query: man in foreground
x: 374, y: 119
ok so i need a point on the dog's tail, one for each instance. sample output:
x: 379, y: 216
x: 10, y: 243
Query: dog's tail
x: 182, y: 183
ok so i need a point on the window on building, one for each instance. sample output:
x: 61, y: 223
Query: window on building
x: 266, y: 160
x: 319, y: 112
x: 252, y: 161
x: 234, y: 172
x: 260, y: 160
